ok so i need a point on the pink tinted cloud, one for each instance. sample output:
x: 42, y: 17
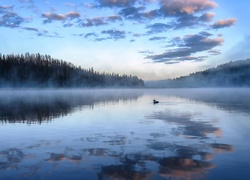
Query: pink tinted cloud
x: 224, y: 23
x: 54, y: 16
x: 60, y: 17
x: 177, y: 7
x: 72, y: 15
x: 207, y: 17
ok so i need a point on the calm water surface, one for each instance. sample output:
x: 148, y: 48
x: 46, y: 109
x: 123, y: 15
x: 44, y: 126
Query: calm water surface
x: 121, y: 134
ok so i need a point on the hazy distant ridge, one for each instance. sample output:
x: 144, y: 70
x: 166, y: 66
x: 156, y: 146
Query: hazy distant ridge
x: 232, y: 74
x: 35, y: 70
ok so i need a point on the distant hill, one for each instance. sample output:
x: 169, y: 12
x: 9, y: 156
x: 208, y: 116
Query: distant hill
x: 35, y: 70
x: 232, y: 74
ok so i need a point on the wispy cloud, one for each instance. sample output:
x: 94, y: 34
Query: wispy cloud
x: 214, y: 52
x: 156, y: 38
x: 49, y: 17
x: 187, y: 46
x: 158, y: 28
x: 45, y: 33
x: 98, y: 21
x: 115, y: 34
x: 31, y: 29
x: 115, y: 3
x: 90, y: 35
x: 11, y: 19
x: 42, y: 33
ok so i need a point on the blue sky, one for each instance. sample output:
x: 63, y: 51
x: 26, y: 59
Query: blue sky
x: 153, y: 39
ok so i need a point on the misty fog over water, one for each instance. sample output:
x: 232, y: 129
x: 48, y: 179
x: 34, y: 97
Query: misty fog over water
x: 121, y: 134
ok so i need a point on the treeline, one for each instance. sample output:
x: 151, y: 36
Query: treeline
x: 35, y: 70
x: 232, y: 74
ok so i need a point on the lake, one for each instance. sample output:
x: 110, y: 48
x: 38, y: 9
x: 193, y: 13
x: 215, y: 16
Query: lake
x: 121, y: 134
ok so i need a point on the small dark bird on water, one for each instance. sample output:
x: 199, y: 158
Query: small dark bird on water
x: 155, y: 102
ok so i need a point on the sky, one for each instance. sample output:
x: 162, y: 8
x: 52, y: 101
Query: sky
x: 152, y: 39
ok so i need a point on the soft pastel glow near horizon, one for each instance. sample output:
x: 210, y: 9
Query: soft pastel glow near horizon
x: 153, y: 40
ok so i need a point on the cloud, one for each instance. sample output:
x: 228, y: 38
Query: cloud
x: 11, y: 20
x: 169, y: 54
x: 130, y: 12
x: 59, y: 17
x: 114, y: 18
x: 214, y: 52
x: 158, y: 28
x: 146, y: 52
x: 186, y: 21
x: 156, y: 38
x: 207, y: 17
x: 43, y: 33
x: 100, y: 39
x: 31, y: 29
x: 90, y: 35
x: 98, y: 21
x: 182, y: 21
x: 72, y: 15
x: 115, y: 3
x: 185, y: 7
x: 53, y: 16
x: 187, y: 46
x: 115, y: 34
x: 137, y: 13
x: 192, y: 21
x: 224, y: 23
x: 201, y: 42
x: 137, y: 34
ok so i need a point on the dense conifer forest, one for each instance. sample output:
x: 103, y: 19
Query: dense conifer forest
x: 232, y: 74
x: 35, y: 70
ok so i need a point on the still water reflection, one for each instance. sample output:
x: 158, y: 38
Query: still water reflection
x: 121, y: 134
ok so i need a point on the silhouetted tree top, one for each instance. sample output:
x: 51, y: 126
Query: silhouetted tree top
x: 36, y: 70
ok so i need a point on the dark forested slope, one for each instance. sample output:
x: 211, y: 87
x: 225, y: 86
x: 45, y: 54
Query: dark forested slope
x: 35, y: 70
x: 232, y: 74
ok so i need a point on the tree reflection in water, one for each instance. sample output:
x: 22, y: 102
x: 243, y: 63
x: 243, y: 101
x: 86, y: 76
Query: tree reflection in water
x: 37, y: 106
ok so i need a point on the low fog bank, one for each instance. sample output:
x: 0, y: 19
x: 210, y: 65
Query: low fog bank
x: 231, y: 99
x: 232, y: 74
x: 37, y: 106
